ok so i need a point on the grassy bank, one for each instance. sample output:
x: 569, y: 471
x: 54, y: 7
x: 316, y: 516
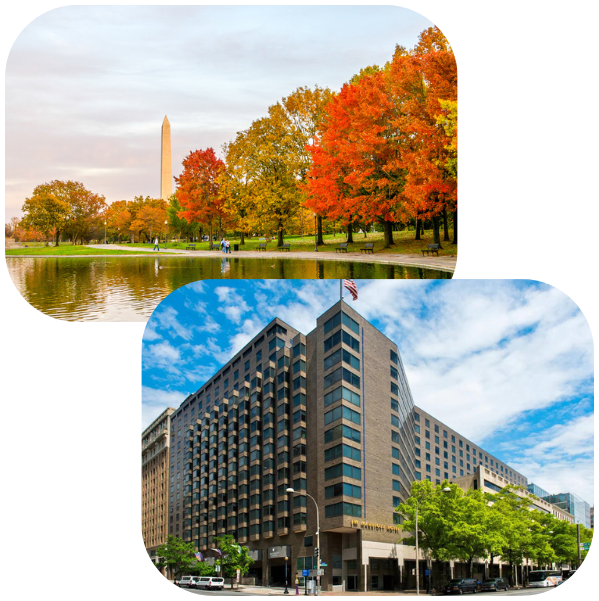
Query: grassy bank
x: 68, y: 250
x: 404, y: 243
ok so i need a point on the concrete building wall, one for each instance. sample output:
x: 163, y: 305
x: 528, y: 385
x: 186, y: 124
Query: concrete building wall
x: 154, y: 476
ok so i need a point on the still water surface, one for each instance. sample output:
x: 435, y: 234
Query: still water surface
x: 130, y: 288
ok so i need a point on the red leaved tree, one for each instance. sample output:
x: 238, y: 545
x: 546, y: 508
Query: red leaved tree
x: 198, y: 191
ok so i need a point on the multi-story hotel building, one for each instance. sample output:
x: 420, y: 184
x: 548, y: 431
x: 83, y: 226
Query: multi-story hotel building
x: 444, y: 454
x: 329, y: 414
x: 154, y: 480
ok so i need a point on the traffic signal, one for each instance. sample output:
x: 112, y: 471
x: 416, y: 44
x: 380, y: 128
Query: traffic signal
x: 316, y: 552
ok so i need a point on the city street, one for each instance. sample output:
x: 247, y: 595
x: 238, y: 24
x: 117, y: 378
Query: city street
x: 256, y: 591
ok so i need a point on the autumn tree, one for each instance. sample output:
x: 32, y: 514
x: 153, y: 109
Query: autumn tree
x: 149, y: 219
x: 265, y: 182
x: 198, y: 189
x: 45, y: 211
x: 118, y: 219
x: 357, y: 175
x: 301, y: 114
x: 423, y: 79
x: 63, y: 207
x: 176, y: 222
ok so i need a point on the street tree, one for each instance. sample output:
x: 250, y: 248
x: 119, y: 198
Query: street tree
x: 177, y: 555
x: 233, y: 556
x: 437, y: 512
x: 470, y: 533
x: 515, y: 520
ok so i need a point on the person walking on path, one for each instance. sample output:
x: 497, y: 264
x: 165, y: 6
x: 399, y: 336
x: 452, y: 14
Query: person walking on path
x: 227, y: 247
x: 156, y: 244
x: 222, y: 244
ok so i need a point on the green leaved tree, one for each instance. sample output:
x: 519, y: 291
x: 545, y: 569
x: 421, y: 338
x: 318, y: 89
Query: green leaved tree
x: 178, y: 556
x: 233, y: 556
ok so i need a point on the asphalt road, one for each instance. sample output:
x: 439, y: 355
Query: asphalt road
x: 511, y: 593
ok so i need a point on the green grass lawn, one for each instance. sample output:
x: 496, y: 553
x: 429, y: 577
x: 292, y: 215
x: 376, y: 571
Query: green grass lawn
x: 404, y: 243
x: 68, y: 250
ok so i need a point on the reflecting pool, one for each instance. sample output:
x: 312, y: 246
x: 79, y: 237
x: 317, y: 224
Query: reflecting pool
x: 129, y: 288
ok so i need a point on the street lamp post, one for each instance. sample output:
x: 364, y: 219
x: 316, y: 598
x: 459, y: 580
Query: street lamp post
x: 286, y: 591
x: 299, y: 492
x: 165, y: 234
x: 104, y: 232
x: 418, y: 501
x: 315, y: 234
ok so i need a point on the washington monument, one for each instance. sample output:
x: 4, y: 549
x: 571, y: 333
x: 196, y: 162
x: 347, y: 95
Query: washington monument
x: 166, y: 169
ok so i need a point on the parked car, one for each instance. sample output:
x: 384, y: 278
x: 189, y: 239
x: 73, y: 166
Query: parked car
x: 495, y: 584
x: 568, y: 574
x: 461, y: 586
x: 210, y: 583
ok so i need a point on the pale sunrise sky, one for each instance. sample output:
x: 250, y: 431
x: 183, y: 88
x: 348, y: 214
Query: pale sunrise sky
x: 87, y: 87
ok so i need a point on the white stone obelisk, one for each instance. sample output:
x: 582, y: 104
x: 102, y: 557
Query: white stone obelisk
x: 166, y: 168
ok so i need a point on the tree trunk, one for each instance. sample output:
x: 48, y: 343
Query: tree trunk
x: 445, y: 226
x: 455, y: 226
x: 280, y: 237
x: 57, y: 236
x: 210, y: 236
x: 436, y: 234
x: 319, y: 239
x: 350, y: 233
x: 417, y: 229
x: 388, y: 230
x: 242, y: 241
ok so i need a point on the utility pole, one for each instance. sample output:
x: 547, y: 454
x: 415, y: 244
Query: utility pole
x: 578, y: 544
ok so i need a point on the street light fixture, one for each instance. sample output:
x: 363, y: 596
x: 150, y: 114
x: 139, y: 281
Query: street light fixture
x: 165, y: 222
x: 301, y: 492
x: 418, y: 501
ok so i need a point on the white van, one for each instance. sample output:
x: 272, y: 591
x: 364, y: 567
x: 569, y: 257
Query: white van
x: 186, y: 581
x: 210, y: 583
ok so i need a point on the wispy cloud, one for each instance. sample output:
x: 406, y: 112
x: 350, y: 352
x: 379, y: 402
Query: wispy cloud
x: 508, y: 364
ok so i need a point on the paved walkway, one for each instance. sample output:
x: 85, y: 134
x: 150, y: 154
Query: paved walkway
x: 443, y: 263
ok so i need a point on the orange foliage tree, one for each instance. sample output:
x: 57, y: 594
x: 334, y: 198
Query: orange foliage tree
x: 426, y: 79
x: 382, y: 155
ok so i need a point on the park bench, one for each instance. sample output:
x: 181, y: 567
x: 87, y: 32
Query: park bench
x: 262, y: 246
x: 431, y: 248
x: 190, y: 247
x: 368, y: 247
x: 215, y: 247
x: 341, y: 247
x: 285, y: 247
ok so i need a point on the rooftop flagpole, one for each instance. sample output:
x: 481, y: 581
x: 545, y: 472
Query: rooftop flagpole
x: 340, y: 290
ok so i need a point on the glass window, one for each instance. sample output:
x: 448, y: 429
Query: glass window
x: 350, y: 323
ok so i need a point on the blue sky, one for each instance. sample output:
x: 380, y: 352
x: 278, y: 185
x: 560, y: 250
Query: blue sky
x: 507, y: 363
x: 87, y: 87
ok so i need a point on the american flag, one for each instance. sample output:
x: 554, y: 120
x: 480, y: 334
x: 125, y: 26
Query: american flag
x: 351, y: 286
x: 199, y: 556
